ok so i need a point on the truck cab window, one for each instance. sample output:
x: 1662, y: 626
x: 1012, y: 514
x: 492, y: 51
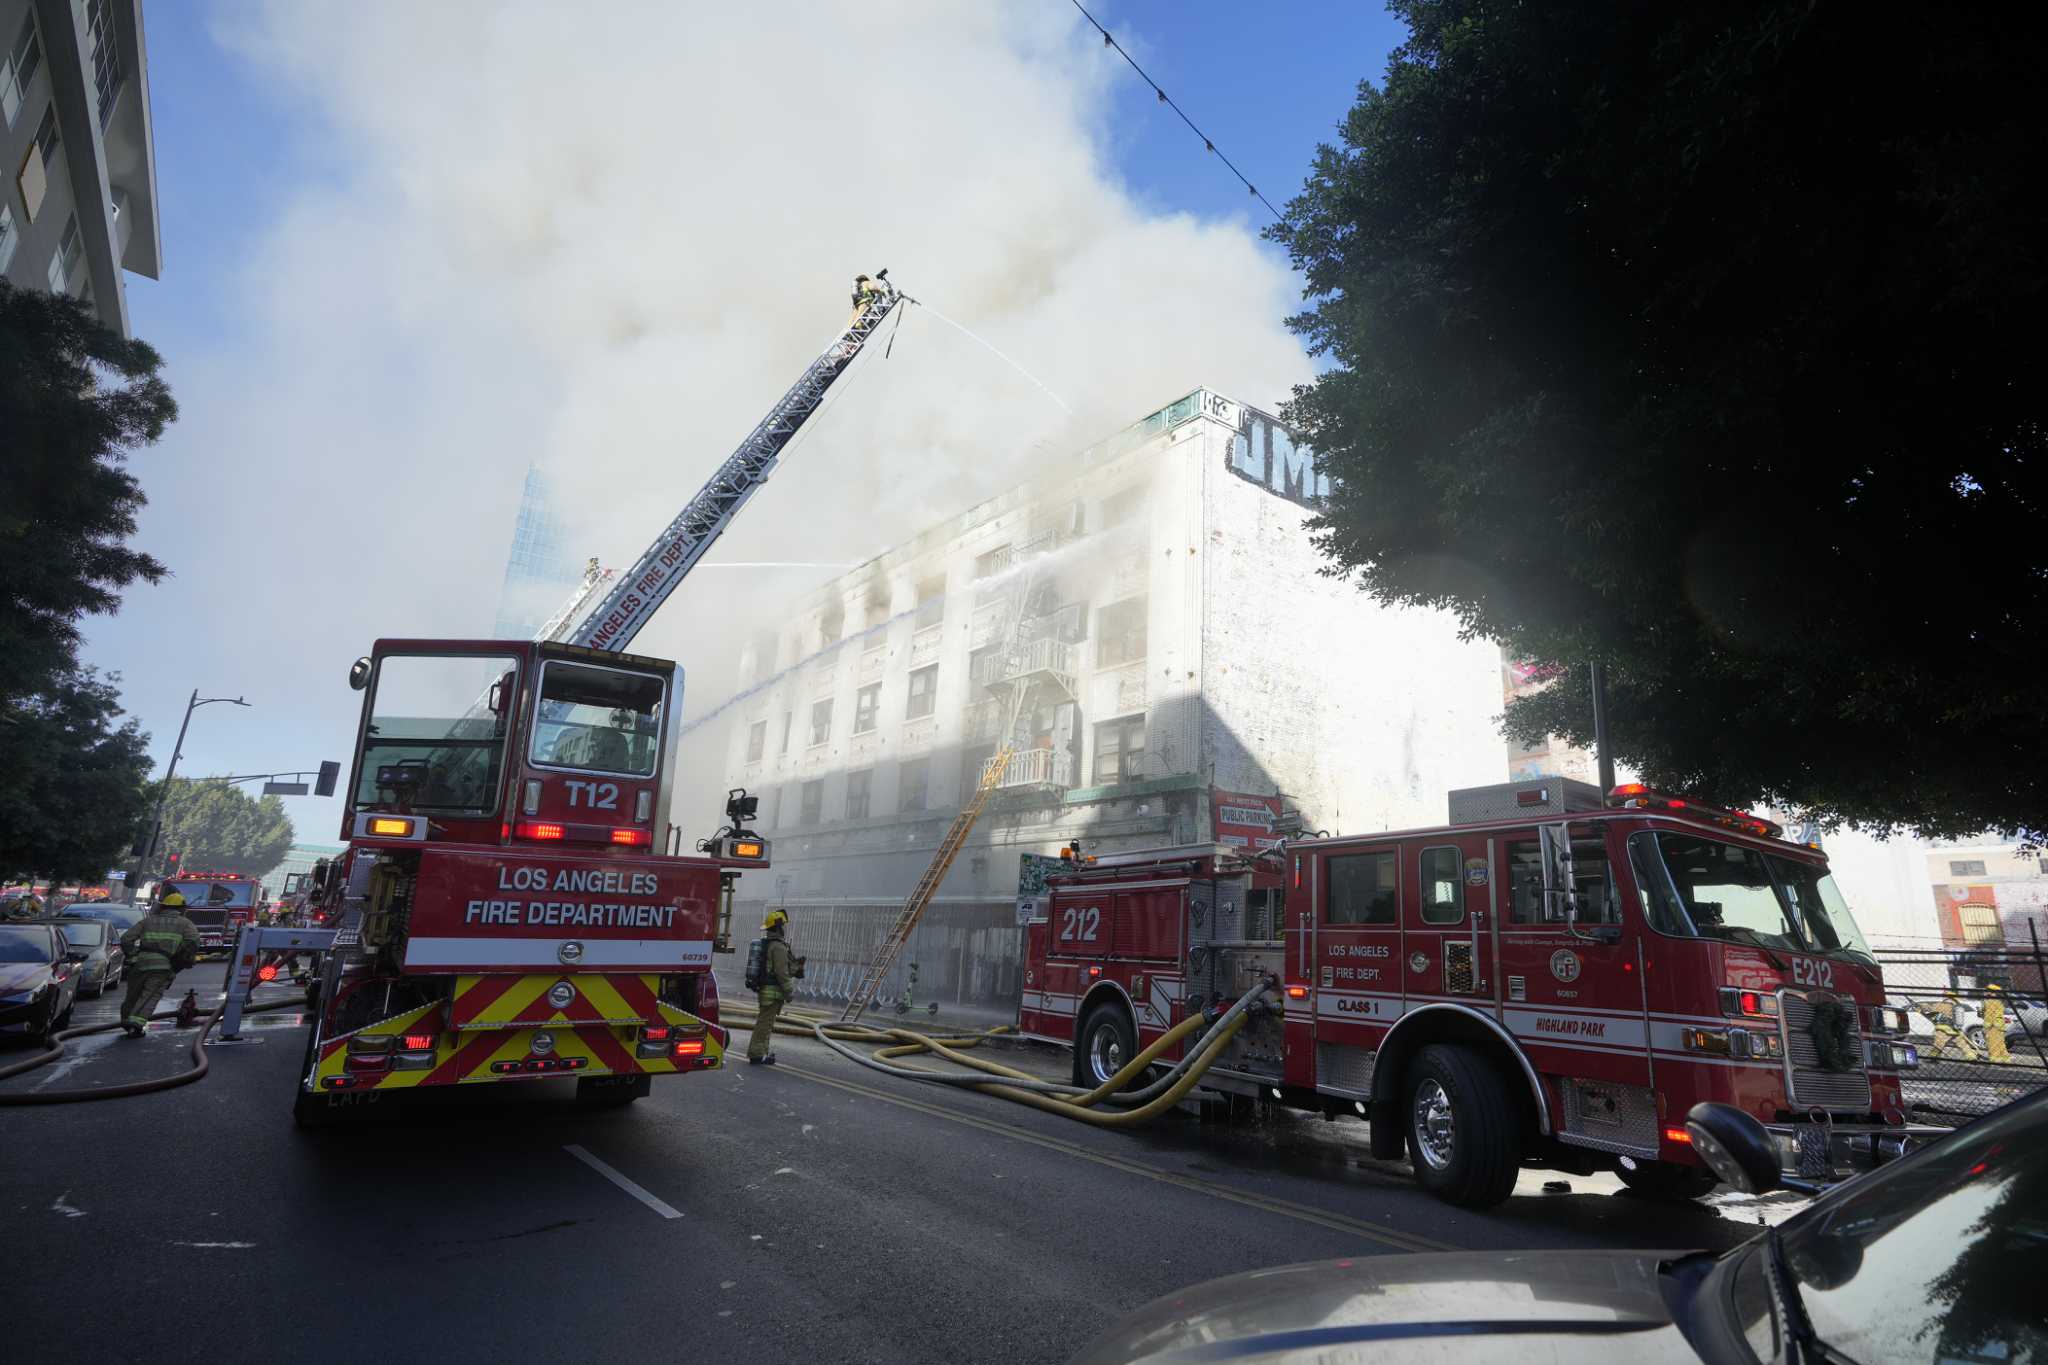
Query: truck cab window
x: 1362, y: 889
x: 1598, y: 902
x: 432, y: 713
x: 598, y: 719
x: 1443, y: 890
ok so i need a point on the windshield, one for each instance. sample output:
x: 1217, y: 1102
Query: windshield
x: 1693, y: 885
x: 213, y: 895
x: 598, y: 719
x: 439, y: 723
x: 85, y: 935
x: 19, y: 944
x: 1938, y: 1258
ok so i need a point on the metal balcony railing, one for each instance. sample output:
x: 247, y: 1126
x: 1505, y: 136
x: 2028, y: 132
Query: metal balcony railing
x: 1038, y: 768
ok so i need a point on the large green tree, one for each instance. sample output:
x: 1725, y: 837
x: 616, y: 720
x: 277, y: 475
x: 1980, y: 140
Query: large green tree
x: 216, y: 827
x: 76, y: 398
x: 71, y: 779
x: 1694, y: 340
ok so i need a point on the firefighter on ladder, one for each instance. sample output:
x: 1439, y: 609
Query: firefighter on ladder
x: 776, y: 976
x: 865, y: 292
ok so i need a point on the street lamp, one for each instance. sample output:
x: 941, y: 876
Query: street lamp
x: 156, y: 823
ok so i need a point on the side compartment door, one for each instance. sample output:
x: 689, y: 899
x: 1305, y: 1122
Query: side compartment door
x: 1358, y: 960
x: 1574, y: 1000
x: 1444, y: 906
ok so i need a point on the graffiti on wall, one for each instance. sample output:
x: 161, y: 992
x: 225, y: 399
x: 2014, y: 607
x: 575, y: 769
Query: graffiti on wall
x: 1265, y: 453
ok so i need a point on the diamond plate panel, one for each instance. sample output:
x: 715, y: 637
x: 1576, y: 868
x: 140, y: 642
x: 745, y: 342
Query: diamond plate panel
x: 1345, y: 1068
x: 1610, y: 1118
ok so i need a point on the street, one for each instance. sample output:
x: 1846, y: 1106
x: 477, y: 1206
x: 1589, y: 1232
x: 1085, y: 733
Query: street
x: 813, y: 1210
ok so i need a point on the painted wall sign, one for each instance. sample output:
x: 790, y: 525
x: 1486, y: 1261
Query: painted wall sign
x: 1266, y: 453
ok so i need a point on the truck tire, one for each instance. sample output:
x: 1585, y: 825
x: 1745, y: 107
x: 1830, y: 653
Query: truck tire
x: 611, y: 1092
x: 1975, y: 1033
x: 1464, y: 1133
x: 1668, y: 1180
x: 1105, y: 1045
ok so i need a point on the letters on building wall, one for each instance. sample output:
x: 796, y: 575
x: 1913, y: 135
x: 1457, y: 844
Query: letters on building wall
x: 1265, y: 453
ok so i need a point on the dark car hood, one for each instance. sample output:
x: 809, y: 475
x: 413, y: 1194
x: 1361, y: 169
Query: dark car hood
x: 19, y: 978
x: 1524, y: 1306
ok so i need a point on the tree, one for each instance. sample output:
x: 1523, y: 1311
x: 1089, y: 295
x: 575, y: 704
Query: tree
x: 75, y: 399
x: 216, y: 827
x: 1692, y: 340
x: 71, y: 783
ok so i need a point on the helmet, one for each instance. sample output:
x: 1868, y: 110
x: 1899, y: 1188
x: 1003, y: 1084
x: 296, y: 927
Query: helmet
x: 172, y: 899
x: 776, y: 919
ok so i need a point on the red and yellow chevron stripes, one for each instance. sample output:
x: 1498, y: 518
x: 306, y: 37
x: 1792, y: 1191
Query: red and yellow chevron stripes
x: 500, y: 1001
x: 507, y: 1012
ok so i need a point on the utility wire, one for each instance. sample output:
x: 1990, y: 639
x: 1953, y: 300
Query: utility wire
x: 1208, y: 143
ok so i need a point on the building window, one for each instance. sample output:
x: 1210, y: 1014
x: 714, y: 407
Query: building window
x: 1120, y: 633
x: 1443, y: 897
x: 757, y: 740
x: 1123, y: 506
x: 913, y: 784
x: 18, y: 66
x: 867, y: 705
x: 35, y: 167
x: 106, y: 58
x: 924, y: 693
x: 64, y: 260
x: 857, y: 785
x: 1967, y: 867
x: 764, y: 655
x: 989, y: 566
x: 1361, y: 889
x: 811, y: 809
x: 931, y: 603
x: 821, y: 722
x: 832, y: 625
x: 1119, y: 750
x: 8, y: 239
x: 973, y: 764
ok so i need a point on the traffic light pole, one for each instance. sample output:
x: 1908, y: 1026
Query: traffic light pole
x: 156, y: 821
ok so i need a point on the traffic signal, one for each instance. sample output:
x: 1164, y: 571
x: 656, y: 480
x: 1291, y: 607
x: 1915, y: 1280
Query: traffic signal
x: 324, y: 784
x: 171, y: 861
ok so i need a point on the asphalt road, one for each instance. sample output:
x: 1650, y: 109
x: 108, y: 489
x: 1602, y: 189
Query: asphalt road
x: 810, y: 1211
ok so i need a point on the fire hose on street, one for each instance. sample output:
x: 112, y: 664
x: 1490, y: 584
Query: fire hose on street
x: 55, y: 1048
x: 993, y: 1078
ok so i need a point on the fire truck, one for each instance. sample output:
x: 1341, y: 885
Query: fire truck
x: 512, y: 903
x: 217, y: 903
x: 1551, y: 979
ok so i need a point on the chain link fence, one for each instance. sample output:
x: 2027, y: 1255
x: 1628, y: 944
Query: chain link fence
x: 1978, y: 1016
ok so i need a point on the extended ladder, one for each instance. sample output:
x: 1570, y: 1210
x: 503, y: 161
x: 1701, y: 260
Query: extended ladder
x: 556, y: 626
x: 892, y: 944
x: 639, y: 593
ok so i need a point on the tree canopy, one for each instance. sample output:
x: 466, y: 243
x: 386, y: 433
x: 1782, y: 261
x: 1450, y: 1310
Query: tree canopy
x: 75, y: 399
x: 1693, y: 340
x: 71, y: 781
x: 216, y: 827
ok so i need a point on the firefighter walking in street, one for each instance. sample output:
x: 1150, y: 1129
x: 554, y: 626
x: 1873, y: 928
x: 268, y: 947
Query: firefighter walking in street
x: 159, y: 946
x: 771, y: 974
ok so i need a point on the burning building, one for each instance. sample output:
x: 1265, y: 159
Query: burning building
x: 1152, y: 626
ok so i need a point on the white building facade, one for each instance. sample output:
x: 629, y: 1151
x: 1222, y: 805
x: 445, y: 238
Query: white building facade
x: 1153, y: 627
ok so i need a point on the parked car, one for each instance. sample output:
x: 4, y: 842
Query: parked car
x: 120, y: 918
x: 1936, y: 1256
x: 95, y: 946
x: 38, y: 980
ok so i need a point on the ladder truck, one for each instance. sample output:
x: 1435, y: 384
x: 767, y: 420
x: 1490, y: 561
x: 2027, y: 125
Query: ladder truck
x: 502, y: 911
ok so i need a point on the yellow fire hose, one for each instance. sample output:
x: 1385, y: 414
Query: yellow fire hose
x: 1022, y: 1087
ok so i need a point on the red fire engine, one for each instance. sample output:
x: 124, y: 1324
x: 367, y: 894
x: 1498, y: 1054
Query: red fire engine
x: 217, y: 903
x: 1551, y: 979
x: 508, y: 906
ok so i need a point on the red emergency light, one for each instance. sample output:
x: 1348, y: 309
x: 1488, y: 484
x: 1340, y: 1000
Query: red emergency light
x: 267, y: 972
x: 539, y: 829
x: 632, y: 838
x: 1641, y: 796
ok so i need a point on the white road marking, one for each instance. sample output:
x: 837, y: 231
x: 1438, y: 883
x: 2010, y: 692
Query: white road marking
x: 785, y: 1170
x: 228, y: 1246
x: 60, y: 1205
x: 638, y: 1192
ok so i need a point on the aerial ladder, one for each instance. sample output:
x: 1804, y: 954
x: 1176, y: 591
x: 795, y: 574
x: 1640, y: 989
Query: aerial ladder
x: 1017, y: 680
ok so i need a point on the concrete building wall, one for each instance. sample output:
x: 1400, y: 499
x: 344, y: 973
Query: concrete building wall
x: 78, y: 204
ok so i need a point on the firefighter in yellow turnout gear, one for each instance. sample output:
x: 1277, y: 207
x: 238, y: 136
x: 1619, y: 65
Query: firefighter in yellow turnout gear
x: 159, y: 946
x: 776, y: 974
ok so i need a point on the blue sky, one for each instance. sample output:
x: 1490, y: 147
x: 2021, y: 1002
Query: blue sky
x: 242, y: 144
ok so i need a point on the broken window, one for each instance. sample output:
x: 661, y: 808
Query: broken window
x: 821, y: 721
x: 867, y: 704
x: 1120, y: 632
x: 931, y: 603
x: 757, y: 740
x: 1119, y: 750
x: 913, y: 784
x: 924, y: 693
x: 832, y: 625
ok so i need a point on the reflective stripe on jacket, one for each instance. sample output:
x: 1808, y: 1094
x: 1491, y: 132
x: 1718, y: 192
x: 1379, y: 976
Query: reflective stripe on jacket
x: 157, y: 942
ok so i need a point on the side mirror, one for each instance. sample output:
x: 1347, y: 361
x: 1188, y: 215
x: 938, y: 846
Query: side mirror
x: 1559, y: 885
x: 1738, y: 1148
x: 359, y: 673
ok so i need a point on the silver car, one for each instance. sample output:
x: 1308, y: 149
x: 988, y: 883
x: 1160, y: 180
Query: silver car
x: 96, y: 947
x: 1935, y: 1257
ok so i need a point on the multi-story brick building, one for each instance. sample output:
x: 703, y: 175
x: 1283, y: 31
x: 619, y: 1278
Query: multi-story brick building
x: 1154, y: 622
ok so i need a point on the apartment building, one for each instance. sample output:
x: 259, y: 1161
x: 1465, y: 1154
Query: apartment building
x: 1151, y: 625
x: 79, y: 205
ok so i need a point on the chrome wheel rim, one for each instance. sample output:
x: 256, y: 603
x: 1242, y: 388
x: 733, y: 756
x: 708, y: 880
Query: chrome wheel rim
x: 1106, y: 1053
x: 1435, y: 1132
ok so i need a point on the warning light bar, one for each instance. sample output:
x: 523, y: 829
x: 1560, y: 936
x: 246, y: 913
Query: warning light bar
x: 1641, y: 796
x: 632, y: 838
x: 538, y: 829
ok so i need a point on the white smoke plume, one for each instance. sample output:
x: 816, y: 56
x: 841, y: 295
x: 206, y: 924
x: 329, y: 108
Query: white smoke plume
x: 606, y: 238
